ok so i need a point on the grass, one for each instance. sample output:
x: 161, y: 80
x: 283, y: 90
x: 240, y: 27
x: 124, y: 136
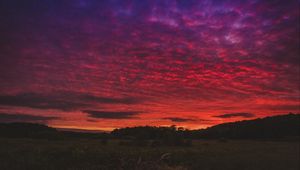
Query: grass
x: 93, y: 155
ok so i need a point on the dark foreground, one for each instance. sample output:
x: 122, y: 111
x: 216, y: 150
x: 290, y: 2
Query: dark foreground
x: 95, y: 154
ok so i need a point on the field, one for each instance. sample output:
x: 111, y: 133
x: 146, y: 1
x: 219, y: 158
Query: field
x: 93, y: 155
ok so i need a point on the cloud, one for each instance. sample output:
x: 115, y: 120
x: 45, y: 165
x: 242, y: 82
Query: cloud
x: 230, y: 115
x: 110, y: 100
x: 111, y: 115
x: 291, y: 107
x: 8, y: 117
x: 61, y: 101
x: 181, y: 55
x: 178, y: 119
x: 38, y: 101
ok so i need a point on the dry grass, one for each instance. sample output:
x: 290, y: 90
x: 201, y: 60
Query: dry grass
x: 93, y: 155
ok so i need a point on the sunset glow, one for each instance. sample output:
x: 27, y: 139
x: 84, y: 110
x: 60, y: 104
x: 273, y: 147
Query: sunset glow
x: 100, y: 65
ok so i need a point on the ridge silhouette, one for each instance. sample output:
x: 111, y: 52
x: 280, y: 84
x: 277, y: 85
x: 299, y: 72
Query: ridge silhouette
x: 280, y: 126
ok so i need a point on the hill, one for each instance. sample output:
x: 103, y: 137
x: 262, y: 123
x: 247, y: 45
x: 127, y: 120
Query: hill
x: 26, y: 130
x: 262, y: 128
x: 40, y: 131
x: 282, y: 126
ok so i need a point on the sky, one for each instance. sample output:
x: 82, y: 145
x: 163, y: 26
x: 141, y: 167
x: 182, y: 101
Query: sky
x: 100, y: 65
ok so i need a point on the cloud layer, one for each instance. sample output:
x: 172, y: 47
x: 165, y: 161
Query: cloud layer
x: 170, y: 58
x: 230, y: 115
x: 16, y: 117
x: 60, y: 101
x: 178, y: 119
x: 111, y: 115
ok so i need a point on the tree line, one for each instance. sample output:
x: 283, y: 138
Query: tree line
x: 281, y: 126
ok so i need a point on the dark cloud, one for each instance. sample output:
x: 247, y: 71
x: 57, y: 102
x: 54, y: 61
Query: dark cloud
x: 178, y: 119
x: 37, y: 101
x: 8, y: 117
x: 62, y: 101
x: 230, y: 115
x: 111, y: 115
